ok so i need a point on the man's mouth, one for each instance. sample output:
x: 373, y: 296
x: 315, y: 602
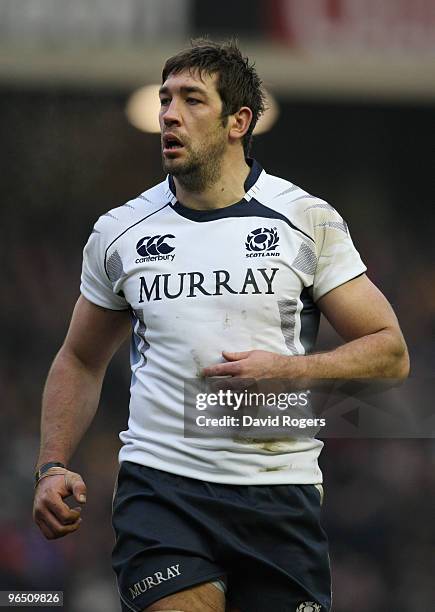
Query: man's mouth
x: 171, y: 143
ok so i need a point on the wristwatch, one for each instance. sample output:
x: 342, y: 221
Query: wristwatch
x: 45, y: 467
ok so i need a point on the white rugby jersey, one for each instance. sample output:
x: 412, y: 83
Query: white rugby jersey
x: 242, y: 277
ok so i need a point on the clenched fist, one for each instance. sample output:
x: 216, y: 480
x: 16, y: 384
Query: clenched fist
x: 52, y: 515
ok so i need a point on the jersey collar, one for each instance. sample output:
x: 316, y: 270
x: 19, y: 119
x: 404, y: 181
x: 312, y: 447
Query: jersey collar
x: 250, y: 181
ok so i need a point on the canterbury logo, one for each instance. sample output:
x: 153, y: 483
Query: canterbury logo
x: 154, y: 245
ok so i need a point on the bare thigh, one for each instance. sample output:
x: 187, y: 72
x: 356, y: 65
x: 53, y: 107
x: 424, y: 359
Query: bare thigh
x: 201, y: 598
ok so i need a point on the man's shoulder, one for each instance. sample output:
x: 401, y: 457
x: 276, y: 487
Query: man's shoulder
x: 296, y: 204
x: 283, y: 193
x: 120, y: 218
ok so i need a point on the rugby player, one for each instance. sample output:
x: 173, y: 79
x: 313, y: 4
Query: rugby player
x: 220, y: 270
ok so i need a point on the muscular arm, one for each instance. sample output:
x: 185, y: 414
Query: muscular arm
x: 69, y: 404
x: 374, y: 346
x: 73, y: 386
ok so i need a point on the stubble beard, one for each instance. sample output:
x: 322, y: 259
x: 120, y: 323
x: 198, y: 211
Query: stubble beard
x: 203, y: 167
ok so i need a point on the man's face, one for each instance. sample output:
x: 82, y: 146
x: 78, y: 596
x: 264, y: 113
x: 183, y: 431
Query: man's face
x: 193, y: 135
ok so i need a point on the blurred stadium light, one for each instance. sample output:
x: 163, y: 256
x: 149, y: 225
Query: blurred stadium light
x: 143, y: 107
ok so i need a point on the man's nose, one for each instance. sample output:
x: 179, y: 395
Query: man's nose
x: 171, y: 115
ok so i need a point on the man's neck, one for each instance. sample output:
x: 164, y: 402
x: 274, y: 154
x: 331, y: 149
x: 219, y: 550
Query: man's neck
x: 227, y: 190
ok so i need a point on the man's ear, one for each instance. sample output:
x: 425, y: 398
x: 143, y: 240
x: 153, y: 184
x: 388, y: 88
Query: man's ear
x: 239, y: 123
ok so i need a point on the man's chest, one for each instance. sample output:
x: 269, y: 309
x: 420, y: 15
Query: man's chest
x: 232, y: 263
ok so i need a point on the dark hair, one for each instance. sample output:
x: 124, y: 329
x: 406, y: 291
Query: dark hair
x: 238, y: 83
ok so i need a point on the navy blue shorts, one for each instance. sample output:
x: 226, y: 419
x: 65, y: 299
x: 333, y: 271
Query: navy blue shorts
x: 266, y: 542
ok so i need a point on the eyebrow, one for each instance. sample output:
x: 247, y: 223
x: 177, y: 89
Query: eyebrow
x: 185, y: 90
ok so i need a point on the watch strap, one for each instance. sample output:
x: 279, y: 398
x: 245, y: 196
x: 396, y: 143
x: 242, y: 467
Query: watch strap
x: 45, y: 467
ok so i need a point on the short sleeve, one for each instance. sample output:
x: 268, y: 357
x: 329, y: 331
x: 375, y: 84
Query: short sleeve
x: 95, y: 284
x: 338, y: 261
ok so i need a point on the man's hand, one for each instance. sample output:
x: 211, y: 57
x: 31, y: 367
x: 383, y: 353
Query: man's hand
x: 256, y: 365
x: 52, y: 515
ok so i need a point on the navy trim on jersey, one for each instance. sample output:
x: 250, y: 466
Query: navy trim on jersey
x: 244, y: 208
x: 310, y: 320
x: 126, y: 230
x: 254, y: 174
x: 137, y: 316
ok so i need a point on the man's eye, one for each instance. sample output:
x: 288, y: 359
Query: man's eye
x: 164, y: 101
x: 192, y: 101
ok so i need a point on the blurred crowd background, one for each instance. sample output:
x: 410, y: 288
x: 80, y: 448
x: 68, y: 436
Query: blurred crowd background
x: 354, y: 81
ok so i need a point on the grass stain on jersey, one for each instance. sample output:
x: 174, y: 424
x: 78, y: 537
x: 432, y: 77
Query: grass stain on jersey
x: 197, y: 361
x: 271, y: 446
x: 277, y: 468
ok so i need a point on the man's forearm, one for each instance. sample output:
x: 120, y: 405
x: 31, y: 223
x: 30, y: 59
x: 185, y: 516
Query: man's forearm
x: 70, y: 401
x: 379, y: 355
